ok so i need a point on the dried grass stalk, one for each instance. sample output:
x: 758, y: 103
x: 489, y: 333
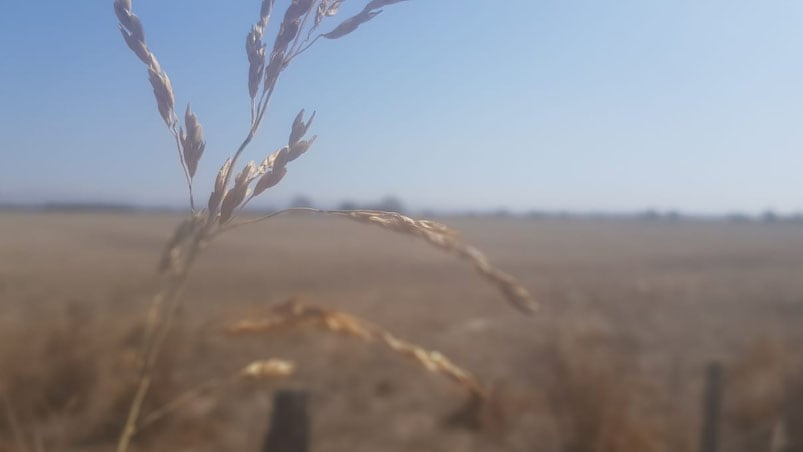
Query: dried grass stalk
x: 134, y: 36
x: 448, y: 240
x: 295, y: 314
x: 292, y: 39
x: 189, y: 141
x: 434, y: 233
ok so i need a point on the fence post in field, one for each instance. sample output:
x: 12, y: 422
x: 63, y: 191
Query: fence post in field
x: 712, y: 407
x: 290, y: 424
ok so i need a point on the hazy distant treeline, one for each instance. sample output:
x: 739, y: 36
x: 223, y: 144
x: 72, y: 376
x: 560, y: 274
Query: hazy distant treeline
x: 394, y: 204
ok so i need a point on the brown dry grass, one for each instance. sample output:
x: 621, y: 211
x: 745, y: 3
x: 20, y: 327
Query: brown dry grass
x: 295, y: 313
x: 645, y: 297
x: 74, y: 391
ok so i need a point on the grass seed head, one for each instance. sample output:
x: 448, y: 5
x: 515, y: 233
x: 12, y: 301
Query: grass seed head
x: 351, y: 24
x: 255, y: 49
x: 294, y: 314
x: 236, y: 195
x: 268, y: 369
x: 220, y: 188
x: 300, y: 147
x: 299, y: 128
x: 192, y: 141
x: 448, y: 240
x: 269, y: 179
x: 137, y: 46
x: 163, y: 91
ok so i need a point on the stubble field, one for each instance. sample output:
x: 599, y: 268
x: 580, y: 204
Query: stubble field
x: 632, y: 312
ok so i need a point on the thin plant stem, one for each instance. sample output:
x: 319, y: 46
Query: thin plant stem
x: 271, y: 215
x: 175, y: 404
x: 292, y: 210
x: 157, y: 335
x: 133, y: 414
x: 251, y: 134
x: 303, y: 49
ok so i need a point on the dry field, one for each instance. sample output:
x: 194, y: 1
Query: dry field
x: 632, y: 313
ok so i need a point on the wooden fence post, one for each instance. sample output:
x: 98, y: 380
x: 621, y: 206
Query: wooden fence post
x: 290, y: 424
x: 712, y: 407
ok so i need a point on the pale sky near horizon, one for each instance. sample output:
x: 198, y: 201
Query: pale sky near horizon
x: 528, y: 104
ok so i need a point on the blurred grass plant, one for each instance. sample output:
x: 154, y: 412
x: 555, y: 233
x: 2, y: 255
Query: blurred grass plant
x: 236, y: 185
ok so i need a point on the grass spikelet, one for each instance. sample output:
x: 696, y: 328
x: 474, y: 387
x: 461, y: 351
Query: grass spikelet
x: 276, y: 159
x: 273, y: 169
x: 268, y: 369
x: 351, y: 24
x: 220, y: 188
x: 397, y: 222
x: 299, y: 128
x: 294, y: 314
x: 192, y: 141
x: 269, y: 179
x: 370, y: 11
x: 237, y: 195
x: 255, y: 50
x: 292, y: 22
x: 136, y: 46
x: 333, y: 8
x: 163, y: 91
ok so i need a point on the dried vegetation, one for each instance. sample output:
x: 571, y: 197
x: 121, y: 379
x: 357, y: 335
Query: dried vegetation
x: 236, y: 186
x: 129, y: 385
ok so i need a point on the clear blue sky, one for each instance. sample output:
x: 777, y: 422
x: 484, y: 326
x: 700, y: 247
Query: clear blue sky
x: 530, y: 104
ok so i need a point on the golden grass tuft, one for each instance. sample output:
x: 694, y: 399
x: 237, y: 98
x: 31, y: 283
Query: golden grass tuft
x: 294, y: 314
x: 594, y: 392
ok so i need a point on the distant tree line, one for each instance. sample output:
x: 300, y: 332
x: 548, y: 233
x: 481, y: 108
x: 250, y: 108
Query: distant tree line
x: 388, y: 203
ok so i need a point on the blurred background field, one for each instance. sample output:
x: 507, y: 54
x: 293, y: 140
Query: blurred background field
x: 500, y: 108
x: 634, y: 309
